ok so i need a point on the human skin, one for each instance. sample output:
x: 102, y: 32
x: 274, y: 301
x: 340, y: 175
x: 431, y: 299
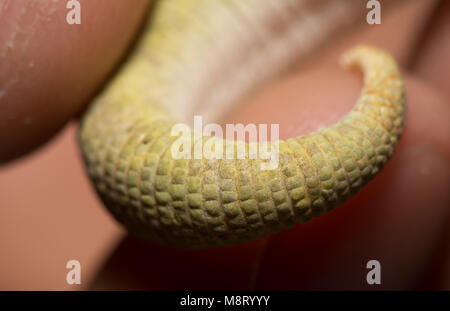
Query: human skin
x: 43, y: 61
x: 363, y: 228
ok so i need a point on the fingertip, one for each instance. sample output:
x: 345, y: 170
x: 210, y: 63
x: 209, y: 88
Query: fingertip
x: 51, y: 69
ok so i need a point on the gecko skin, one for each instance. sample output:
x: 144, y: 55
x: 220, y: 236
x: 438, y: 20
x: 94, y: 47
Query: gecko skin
x: 198, y: 55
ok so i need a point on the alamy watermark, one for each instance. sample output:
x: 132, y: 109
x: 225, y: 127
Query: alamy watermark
x: 374, y: 275
x: 74, y: 15
x: 207, y: 142
x: 374, y: 15
x: 74, y: 275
